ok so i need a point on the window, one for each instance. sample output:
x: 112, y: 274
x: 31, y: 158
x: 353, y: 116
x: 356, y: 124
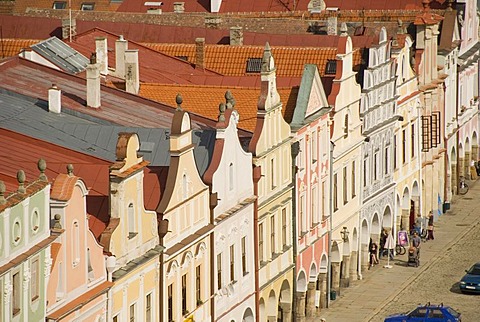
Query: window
x: 412, y: 145
x: 132, y: 313
x: 365, y: 169
x: 313, y: 213
x: 323, y: 198
x: 16, y: 293
x: 272, y: 235
x: 87, y: 6
x: 353, y: 180
x: 404, y: 146
x: 34, y: 279
x: 314, y: 147
x: 35, y: 221
x: 115, y: 318
x: 435, y: 314
x: 198, y: 284
x: 273, y: 176
x: 284, y: 227
x: 91, y: 275
x: 170, y: 302
x: 395, y: 151
x: 375, y: 166
x: 185, y: 186
x: 230, y: 177
x: 387, y: 159
x: 232, y: 263
x: 260, y: 242
x: 76, y: 243
x: 132, y: 231
x: 345, y: 183
x: 335, y: 199
x: 219, y: 271
x: 331, y: 67
x: 59, y: 5
x: 184, y: 294
x: 148, y: 308
x: 301, y: 214
x: 345, y: 127
x: 254, y: 65
x: 244, y: 255
x: 17, y: 231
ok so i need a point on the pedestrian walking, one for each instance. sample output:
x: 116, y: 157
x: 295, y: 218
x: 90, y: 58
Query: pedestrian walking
x: 373, y: 254
x: 430, y: 226
x: 383, y: 240
x: 416, y: 241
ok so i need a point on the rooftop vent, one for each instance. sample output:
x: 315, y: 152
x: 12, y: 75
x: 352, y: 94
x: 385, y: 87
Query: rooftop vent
x: 254, y: 65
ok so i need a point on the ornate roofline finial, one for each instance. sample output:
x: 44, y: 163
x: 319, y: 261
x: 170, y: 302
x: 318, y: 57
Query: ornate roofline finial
x: 21, y: 181
x: 179, y: 101
x: 221, y: 115
x: 57, y: 224
x: 70, y: 169
x: 2, y: 193
x: 42, y: 166
x: 229, y: 100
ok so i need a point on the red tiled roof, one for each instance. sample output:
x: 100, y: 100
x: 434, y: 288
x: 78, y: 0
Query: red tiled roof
x: 232, y: 60
x: 204, y: 100
x: 153, y: 65
x: 12, y: 47
x: 383, y: 4
x: 100, y: 5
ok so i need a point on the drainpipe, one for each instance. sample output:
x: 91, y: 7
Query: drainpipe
x: 295, y: 150
x: 257, y: 174
x: 330, y: 224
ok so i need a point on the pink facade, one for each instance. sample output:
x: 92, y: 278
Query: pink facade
x: 78, y: 282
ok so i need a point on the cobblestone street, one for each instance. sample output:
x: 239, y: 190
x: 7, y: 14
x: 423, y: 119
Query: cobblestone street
x: 382, y: 291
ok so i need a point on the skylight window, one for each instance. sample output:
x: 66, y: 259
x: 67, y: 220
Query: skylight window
x: 254, y: 65
x: 87, y: 6
x: 59, y: 5
x: 331, y: 67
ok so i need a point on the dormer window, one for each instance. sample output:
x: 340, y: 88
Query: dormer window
x: 59, y: 5
x: 331, y: 67
x: 132, y: 231
x: 87, y: 6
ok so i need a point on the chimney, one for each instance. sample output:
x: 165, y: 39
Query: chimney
x: 121, y: 46
x: 200, y: 53
x: 54, y: 99
x: 102, y: 54
x: 236, y: 36
x: 179, y: 7
x: 93, y: 83
x: 332, y: 26
x: 69, y: 28
x: 132, y: 78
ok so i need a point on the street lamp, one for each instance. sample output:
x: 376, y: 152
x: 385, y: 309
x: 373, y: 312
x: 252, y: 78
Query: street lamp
x: 344, y: 233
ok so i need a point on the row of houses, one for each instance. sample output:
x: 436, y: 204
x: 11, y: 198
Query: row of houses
x: 150, y: 205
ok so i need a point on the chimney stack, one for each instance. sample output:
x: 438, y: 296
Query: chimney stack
x: 101, y: 50
x: 121, y: 46
x: 236, y: 36
x: 132, y: 78
x: 179, y: 7
x: 93, y: 83
x: 54, y: 99
x: 69, y: 26
x: 200, y: 53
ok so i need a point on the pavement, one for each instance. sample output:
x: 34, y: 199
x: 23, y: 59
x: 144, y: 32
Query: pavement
x: 365, y: 298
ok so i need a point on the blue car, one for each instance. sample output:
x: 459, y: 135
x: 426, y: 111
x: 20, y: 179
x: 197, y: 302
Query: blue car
x: 428, y: 313
x: 470, y: 283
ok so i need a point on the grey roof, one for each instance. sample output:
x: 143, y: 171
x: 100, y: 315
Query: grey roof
x: 93, y: 136
x: 61, y: 55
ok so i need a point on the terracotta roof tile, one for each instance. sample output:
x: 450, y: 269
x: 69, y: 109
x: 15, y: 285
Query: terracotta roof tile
x: 232, y: 60
x: 12, y: 47
x: 100, y: 5
x: 204, y: 100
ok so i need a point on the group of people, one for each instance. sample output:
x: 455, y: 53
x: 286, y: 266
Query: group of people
x: 375, y: 251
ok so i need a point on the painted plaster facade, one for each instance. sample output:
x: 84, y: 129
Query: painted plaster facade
x: 186, y: 284
x: 379, y: 113
x: 230, y: 178
x: 131, y: 238
x: 271, y: 149
x: 78, y: 284
x: 25, y: 240
x: 311, y: 131
x: 347, y: 139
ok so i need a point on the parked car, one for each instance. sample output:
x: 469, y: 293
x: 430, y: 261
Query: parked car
x: 427, y: 313
x: 470, y: 282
